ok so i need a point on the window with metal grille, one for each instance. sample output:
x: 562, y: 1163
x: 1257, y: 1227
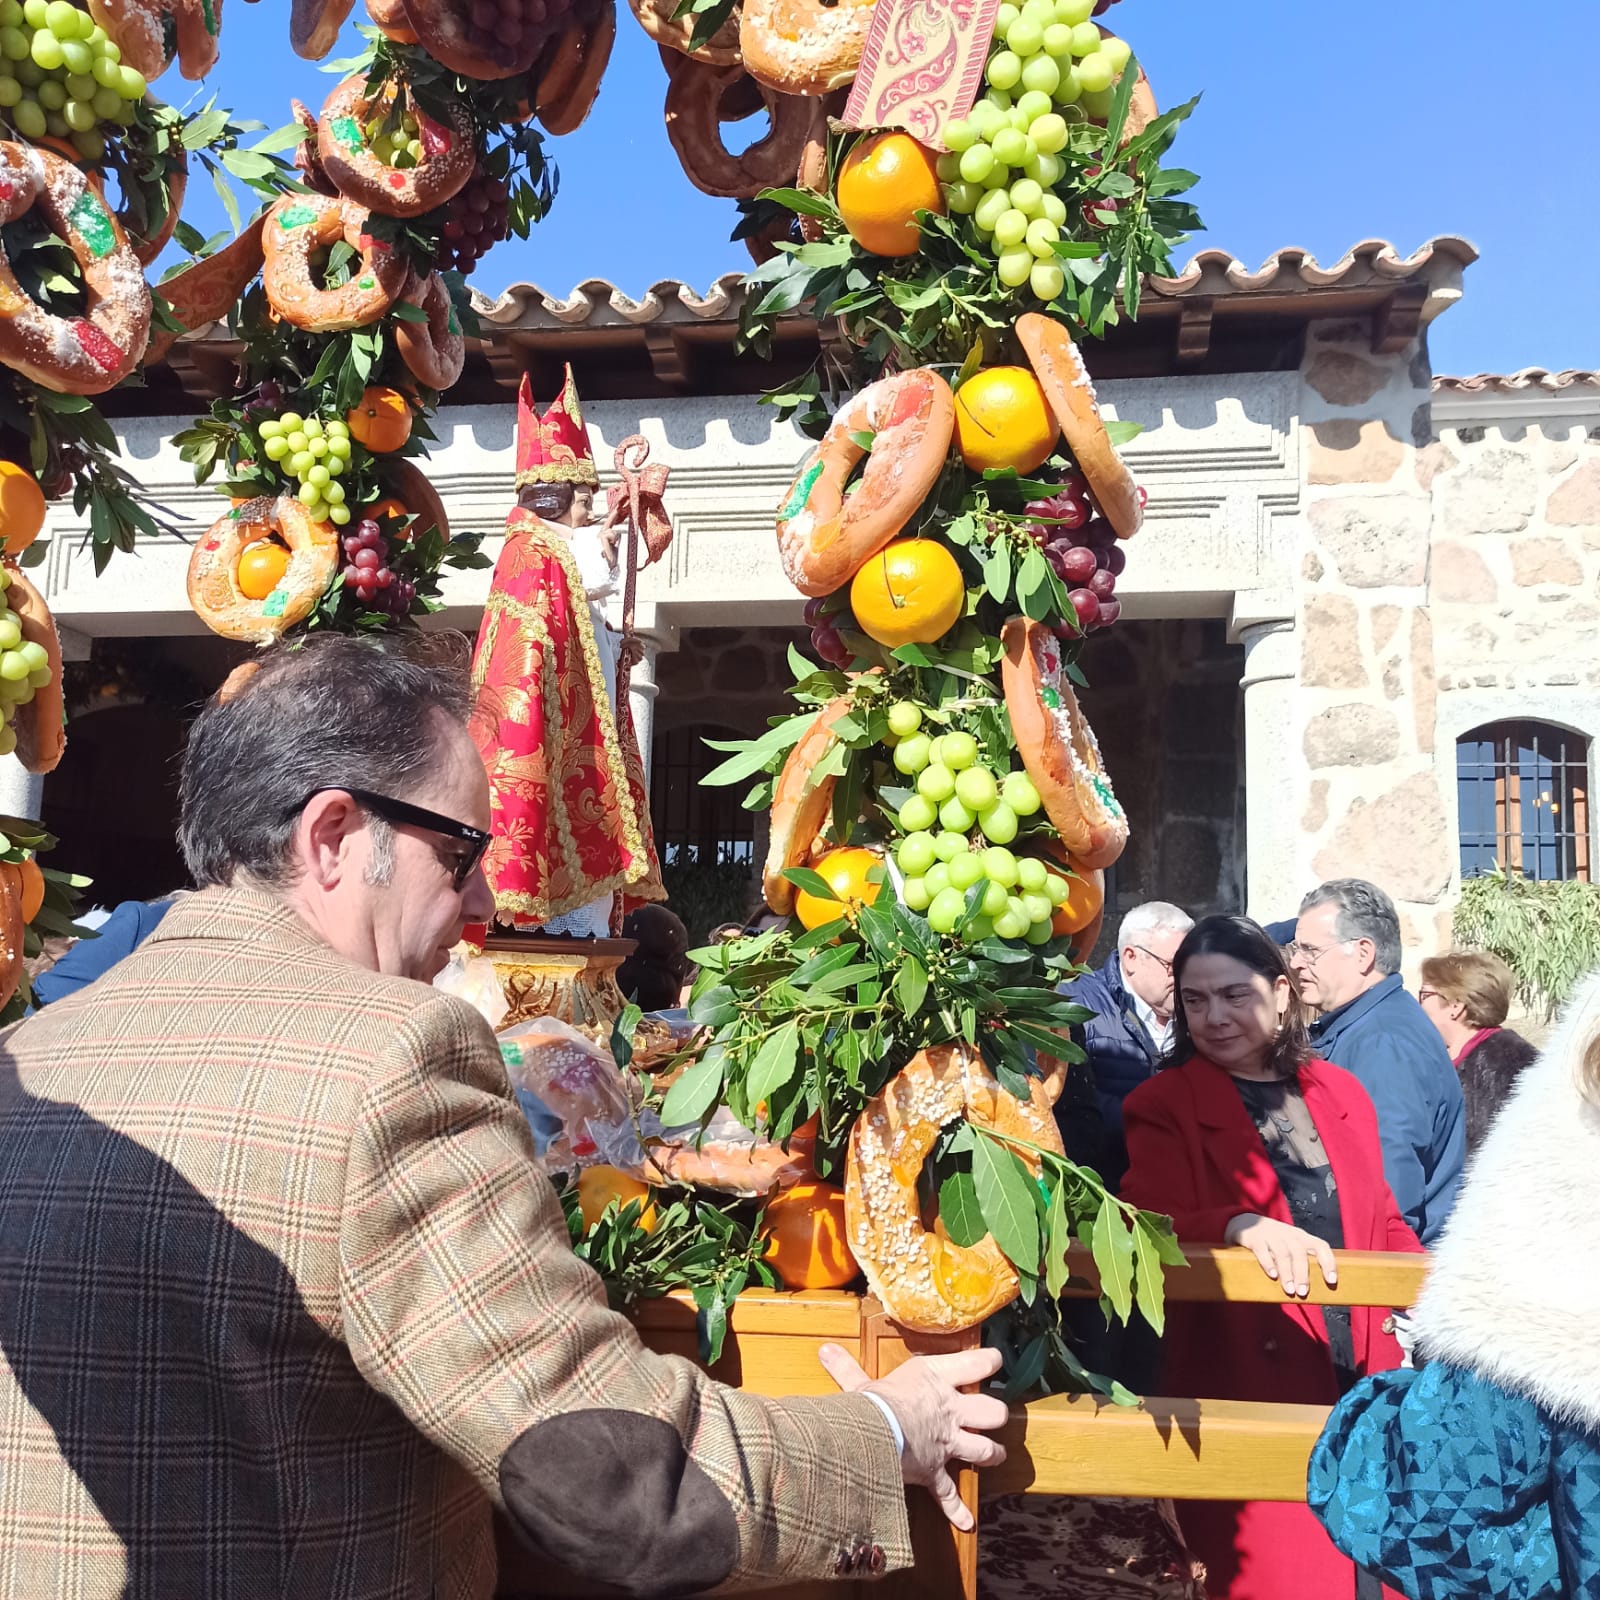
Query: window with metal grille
x: 694, y: 823
x: 1523, y: 790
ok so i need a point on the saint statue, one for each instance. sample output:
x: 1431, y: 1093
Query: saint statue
x: 570, y: 818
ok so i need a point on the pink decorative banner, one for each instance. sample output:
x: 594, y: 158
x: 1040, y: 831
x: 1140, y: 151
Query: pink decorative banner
x: 922, y: 66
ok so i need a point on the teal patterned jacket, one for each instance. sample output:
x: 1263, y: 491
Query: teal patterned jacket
x: 1446, y: 1485
x: 1479, y: 1475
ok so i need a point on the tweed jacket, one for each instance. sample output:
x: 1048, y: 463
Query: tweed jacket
x: 286, y: 1308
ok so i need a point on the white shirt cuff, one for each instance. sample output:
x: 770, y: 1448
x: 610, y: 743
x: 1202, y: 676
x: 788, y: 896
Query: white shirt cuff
x: 893, y: 1421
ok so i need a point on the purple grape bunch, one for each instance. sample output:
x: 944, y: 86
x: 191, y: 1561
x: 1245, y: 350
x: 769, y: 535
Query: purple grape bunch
x: 1082, y: 548
x: 368, y: 575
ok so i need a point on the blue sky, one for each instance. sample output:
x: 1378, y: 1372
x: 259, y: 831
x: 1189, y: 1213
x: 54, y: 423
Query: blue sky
x: 1321, y: 126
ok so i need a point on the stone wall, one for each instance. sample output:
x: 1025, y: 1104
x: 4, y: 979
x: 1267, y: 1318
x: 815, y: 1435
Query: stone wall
x: 1449, y: 576
x: 1369, y: 801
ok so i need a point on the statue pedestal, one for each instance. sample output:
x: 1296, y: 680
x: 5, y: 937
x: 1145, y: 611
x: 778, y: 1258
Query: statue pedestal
x: 573, y: 979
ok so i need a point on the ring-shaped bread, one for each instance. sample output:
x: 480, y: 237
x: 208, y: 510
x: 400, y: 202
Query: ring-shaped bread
x: 406, y: 482
x: 657, y: 19
x: 452, y: 32
x: 1058, y: 365
x: 315, y: 24
x: 1058, y: 747
x: 824, y: 536
x: 213, y: 580
x: 296, y: 227
x: 802, y: 801
x: 207, y: 290
x: 805, y: 47
x: 695, y: 97
x: 923, y: 1278
x: 568, y: 74
x: 72, y: 355
x: 434, y: 351
x: 40, y: 725
x: 449, y: 153
x: 152, y: 33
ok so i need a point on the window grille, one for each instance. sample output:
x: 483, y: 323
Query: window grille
x: 693, y: 823
x: 1523, y: 791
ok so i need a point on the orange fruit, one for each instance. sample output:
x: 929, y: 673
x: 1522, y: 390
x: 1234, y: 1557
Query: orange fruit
x: 883, y: 183
x: 599, y: 1186
x: 261, y: 568
x: 381, y: 419
x: 845, y: 872
x: 389, y: 509
x: 806, y: 1238
x: 1004, y: 420
x: 21, y: 508
x: 1085, y: 897
x: 911, y: 592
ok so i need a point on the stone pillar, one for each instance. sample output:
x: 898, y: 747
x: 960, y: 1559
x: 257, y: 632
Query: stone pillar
x: 1272, y: 764
x: 21, y: 793
x: 642, y: 692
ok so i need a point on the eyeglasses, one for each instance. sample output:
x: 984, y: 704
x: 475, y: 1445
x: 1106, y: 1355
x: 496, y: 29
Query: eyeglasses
x: 1428, y: 994
x: 404, y: 814
x: 1311, y: 954
x: 1160, y: 961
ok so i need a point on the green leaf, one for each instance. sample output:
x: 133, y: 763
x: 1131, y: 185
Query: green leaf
x: 289, y: 137
x: 971, y: 365
x: 1060, y: 1236
x: 802, y: 202
x: 1148, y: 1277
x: 774, y: 1064
x: 811, y: 881
x: 911, y: 986
x: 997, y: 573
x: 406, y: 312
x: 959, y: 1210
x: 1028, y: 1368
x: 226, y: 196
x: 913, y: 655
x: 1112, y: 1245
x: 202, y: 130
x: 696, y: 1092
x: 1121, y: 433
x: 1005, y: 1197
x: 862, y: 438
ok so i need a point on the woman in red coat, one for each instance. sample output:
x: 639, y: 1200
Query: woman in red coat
x: 1246, y: 1139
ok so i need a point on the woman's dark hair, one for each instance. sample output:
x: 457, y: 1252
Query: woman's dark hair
x: 1251, y: 945
x: 654, y: 975
x: 324, y: 713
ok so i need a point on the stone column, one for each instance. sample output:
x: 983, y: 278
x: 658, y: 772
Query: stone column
x: 1272, y: 763
x: 21, y: 793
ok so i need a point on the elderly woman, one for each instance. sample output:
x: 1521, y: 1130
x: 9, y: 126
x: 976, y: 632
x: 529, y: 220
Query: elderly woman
x: 1246, y: 1138
x: 1477, y: 1474
x: 1466, y: 995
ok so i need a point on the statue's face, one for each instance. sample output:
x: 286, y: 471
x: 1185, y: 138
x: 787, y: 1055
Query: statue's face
x: 582, y: 512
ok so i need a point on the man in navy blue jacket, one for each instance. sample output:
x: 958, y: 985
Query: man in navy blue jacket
x: 1346, y: 956
x: 1131, y: 997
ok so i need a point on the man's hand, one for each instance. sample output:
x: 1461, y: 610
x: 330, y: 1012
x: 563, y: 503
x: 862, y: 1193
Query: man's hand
x: 940, y: 1423
x: 1285, y: 1253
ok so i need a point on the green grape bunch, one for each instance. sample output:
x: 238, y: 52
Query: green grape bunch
x: 315, y: 452
x: 62, y: 76
x: 1049, y: 67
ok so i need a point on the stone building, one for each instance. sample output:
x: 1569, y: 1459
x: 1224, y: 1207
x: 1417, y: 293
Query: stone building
x: 1358, y: 624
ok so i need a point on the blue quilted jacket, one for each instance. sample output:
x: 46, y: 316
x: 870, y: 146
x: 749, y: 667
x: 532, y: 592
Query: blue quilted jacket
x: 1121, y: 1055
x: 1448, y: 1486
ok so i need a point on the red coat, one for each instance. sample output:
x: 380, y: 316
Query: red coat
x: 1195, y: 1154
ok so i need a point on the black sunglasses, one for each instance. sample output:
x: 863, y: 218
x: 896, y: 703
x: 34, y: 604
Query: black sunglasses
x: 405, y: 814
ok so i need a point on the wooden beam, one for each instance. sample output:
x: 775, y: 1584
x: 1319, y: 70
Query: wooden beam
x: 1174, y: 1449
x: 1399, y: 319
x: 1194, y: 329
x: 1366, y: 1278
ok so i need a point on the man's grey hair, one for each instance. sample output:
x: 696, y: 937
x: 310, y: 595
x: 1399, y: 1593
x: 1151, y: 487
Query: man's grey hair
x: 1154, y: 916
x: 1365, y: 912
x: 329, y: 712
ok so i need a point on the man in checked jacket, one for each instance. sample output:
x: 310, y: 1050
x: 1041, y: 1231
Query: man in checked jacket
x: 286, y: 1307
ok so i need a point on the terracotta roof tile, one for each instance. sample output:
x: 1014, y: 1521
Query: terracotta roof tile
x: 1518, y: 382
x: 1371, y: 261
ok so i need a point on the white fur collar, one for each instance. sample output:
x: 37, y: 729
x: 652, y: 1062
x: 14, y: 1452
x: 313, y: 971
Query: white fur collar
x: 1514, y: 1293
